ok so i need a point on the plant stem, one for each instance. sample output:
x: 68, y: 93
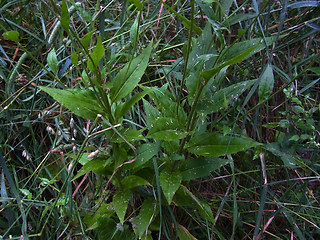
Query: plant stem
x: 191, y: 116
x: 183, y: 81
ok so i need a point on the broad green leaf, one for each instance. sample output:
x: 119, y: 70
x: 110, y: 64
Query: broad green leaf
x: 85, y: 78
x: 225, y: 5
x: 147, y: 213
x: 133, y: 181
x: 151, y: 112
x: 123, y: 108
x: 171, y: 147
x: 146, y: 236
x: 137, y: 3
x: 238, y: 48
x: 120, y: 203
x: 134, y: 31
x: 129, y: 134
x: 170, y: 182
x: 299, y: 109
x: 74, y: 58
x: 207, y: 9
x: 201, y: 167
x: 184, y: 234
x: 120, y: 154
x: 235, y: 59
x: 84, y: 158
x: 108, y: 228
x: 184, y: 197
x: 64, y: 18
x: 145, y: 152
x: 128, y: 77
x: 96, y: 55
x: 214, y: 144
x: 193, y: 81
x: 305, y: 137
x: 316, y: 70
x: 203, y: 50
x: 166, y: 129
x: 45, y: 181
x: 26, y: 193
x: 206, y: 212
x: 79, y: 101
x: 237, y: 53
x: 86, y: 40
x: 62, y: 201
x: 266, y: 83
x: 166, y: 103
x: 223, y: 97
x: 95, y: 165
x: 288, y: 159
x: 52, y: 61
x: 11, y: 35
x: 92, y: 220
x: 239, y: 17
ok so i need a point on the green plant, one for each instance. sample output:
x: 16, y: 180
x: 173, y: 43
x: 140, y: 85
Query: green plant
x: 174, y: 139
x: 149, y: 138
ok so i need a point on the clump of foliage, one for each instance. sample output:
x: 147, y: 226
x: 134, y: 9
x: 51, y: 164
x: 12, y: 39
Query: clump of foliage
x: 159, y: 120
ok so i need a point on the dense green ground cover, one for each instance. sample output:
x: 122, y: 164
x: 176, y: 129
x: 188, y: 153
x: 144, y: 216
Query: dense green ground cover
x: 159, y: 120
